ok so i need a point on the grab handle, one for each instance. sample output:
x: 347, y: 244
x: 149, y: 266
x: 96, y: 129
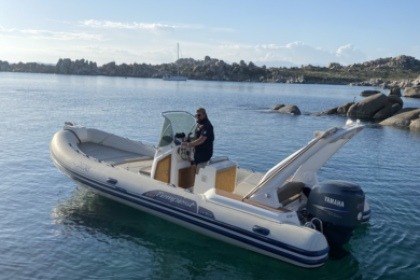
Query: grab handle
x: 111, y: 181
x: 261, y: 230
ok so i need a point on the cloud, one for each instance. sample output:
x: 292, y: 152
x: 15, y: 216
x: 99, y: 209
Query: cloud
x: 348, y: 54
x: 291, y: 54
x: 107, y: 43
x: 50, y: 35
x: 106, y: 24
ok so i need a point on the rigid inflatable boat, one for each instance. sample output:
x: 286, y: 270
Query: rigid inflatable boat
x: 285, y: 213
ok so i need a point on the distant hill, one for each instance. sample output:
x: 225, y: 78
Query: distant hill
x: 383, y: 71
x: 401, y: 62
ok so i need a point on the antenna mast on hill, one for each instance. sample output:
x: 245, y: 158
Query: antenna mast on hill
x: 177, y: 51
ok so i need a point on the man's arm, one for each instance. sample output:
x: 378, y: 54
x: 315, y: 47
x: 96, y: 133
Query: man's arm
x: 198, y: 141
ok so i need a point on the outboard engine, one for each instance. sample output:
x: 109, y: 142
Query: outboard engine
x: 339, y: 205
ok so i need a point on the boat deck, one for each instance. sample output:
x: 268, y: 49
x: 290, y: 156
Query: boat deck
x: 138, y: 163
x: 135, y: 162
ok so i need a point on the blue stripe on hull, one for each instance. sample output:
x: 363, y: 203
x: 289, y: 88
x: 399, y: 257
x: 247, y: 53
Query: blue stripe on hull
x: 283, y: 251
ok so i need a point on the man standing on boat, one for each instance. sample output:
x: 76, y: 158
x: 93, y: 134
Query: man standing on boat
x: 204, y: 137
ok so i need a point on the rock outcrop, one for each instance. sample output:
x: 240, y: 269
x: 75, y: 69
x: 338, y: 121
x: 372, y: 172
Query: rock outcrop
x: 369, y: 92
x: 340, y: 110
x: 376, y: 107
x: 415, y: 124
x: 413, y: 92
x: 407, y: 118
x: 395, y: 91
x: 343, y: 109
x: 287, y: 109
x: 387, y: 110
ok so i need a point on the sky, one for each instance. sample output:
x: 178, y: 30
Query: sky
x: 267, y: 32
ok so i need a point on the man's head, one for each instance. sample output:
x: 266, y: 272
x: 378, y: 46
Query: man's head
x: 201, y: 114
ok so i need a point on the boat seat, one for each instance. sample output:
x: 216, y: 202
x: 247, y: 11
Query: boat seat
x: 217, y: 159
x: 247, y: 181
x: 263, y: 206
x: 249, y: 201
x: 289, y: 192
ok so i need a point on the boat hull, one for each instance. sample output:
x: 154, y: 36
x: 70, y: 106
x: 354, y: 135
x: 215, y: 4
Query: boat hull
x: 283, y: 241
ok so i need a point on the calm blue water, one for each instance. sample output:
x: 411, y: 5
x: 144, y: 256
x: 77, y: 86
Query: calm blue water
x: 52, y: 228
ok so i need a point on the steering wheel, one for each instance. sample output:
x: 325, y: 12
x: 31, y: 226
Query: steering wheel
x: 184, y: 151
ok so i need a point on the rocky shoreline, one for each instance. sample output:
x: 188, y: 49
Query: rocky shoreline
x: 401, y: 71
x: 376, y: 107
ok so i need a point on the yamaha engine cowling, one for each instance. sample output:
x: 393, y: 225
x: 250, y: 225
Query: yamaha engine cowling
x: 339, y: 205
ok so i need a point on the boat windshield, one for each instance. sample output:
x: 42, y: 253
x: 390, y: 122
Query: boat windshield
x: 175, y: 122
